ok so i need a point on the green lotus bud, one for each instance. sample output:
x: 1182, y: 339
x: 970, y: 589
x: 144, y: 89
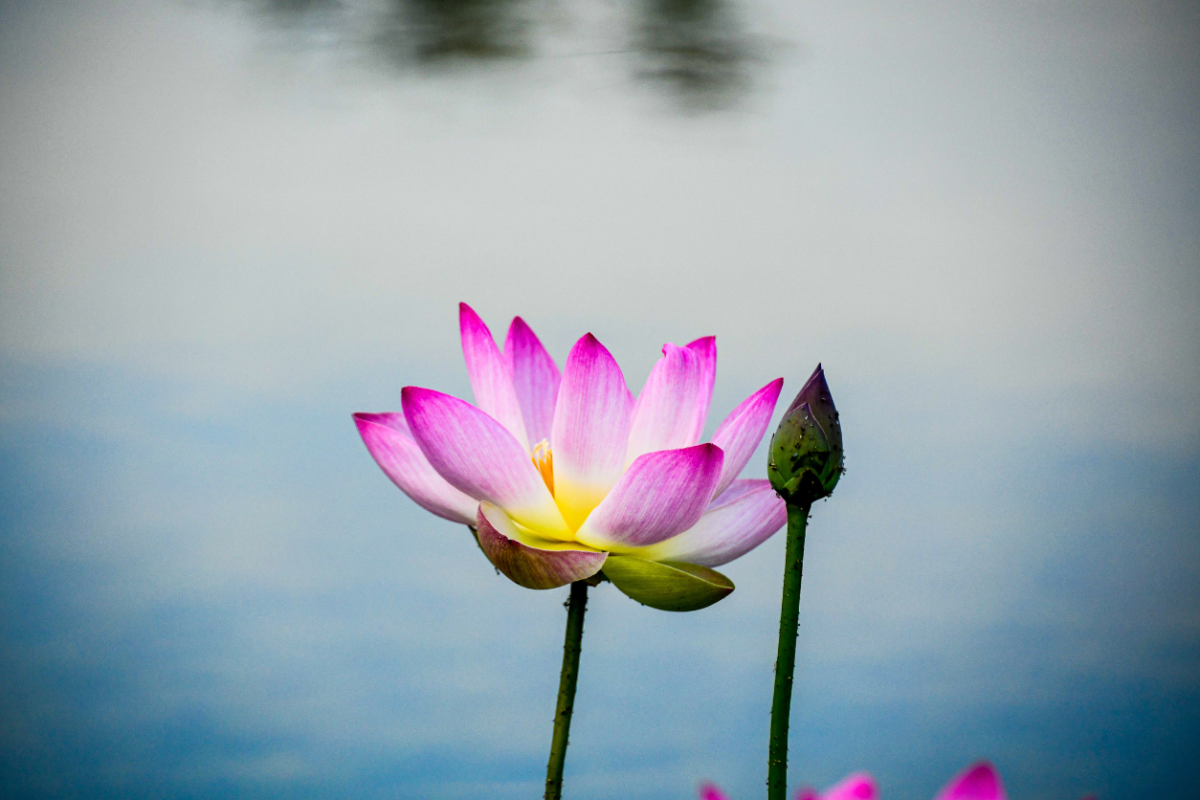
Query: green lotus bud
x: 805, y: 458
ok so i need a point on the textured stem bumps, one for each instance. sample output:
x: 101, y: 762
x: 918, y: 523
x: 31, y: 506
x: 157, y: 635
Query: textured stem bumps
x: 785, y: 663
x: 572, y: 647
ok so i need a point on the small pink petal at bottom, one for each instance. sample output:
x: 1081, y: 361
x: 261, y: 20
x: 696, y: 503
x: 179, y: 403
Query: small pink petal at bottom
x: 709, y: 791
x: 859, y: 786
x: 980, y: 781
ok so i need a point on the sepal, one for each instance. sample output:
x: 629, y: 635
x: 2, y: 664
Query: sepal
x: 667, y: 585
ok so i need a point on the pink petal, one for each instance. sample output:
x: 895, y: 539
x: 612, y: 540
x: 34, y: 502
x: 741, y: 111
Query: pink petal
x: 531, y: 567
x: 535, y: 378
x: 743, y: 429
x: 390, y: 443
x: 590, y: 431
x: 859, y: 786
x: 706, y: 348
x: 807, y: 793
x: 741, y: 518
x: 672, y: 407
x: 659, y: 495
x: 977, y: 782
x: 478, y: 456
x: 709, y: 791
x: 491, y: 376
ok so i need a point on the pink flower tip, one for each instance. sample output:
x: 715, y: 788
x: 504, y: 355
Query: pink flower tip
x: 980, y: 781
x: 859, y: 786
x: 709, y: 791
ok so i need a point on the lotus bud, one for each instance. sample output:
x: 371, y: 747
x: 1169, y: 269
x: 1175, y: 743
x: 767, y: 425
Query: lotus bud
x: 805, y: 458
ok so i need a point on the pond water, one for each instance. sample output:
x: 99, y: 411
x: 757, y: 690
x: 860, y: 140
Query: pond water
x: 225, y: 226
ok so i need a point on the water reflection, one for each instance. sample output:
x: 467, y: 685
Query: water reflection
x: 286, y: 7
x: 698, y: 51
x: 304, y: 24
x: 299, y: 14
x: 429, y: 32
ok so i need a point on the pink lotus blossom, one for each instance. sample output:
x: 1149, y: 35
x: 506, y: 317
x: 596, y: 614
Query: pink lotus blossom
x: 558, y: 472
x: 859, y: 786
x: 710, y: 791
x: 980, y: 781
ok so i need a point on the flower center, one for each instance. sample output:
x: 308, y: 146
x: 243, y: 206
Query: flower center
x: 543, y: 459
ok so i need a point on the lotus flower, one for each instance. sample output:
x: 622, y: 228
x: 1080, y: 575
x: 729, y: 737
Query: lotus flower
x: 859, y: 786
x: 564, y: 475
x: 980, y: 781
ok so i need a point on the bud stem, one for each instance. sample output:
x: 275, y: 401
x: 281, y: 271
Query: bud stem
x: 785, y: 662
x: 572, y: 647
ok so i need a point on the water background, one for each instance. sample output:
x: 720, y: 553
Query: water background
x: 225, y: 226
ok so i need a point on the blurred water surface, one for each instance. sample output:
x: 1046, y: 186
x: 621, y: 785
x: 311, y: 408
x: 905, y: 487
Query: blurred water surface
x: 225, y: 226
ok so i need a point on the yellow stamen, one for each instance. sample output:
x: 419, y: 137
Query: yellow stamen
x: 543, y: 459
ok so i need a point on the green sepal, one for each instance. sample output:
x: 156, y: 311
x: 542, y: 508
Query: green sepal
x: 667, y: 585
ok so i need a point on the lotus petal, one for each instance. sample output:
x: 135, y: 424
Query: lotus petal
x: 739, y: 434
x: 709, y: 791
x: 660, y: 495
x: 478, y: 456
x: 535, y: 378
x: 590, y: 431
x: 670, y: 411
x: 859, y: 786
x: 390, y: 443
x: 669, y: 586
x: 706, y: 348
x: 744, y: 516
x: 545, y: 567
x: 980, y: 781
x: 491, y: 375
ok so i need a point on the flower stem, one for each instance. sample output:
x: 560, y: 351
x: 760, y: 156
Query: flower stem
x: 785, y: 662
x: 572, y: 647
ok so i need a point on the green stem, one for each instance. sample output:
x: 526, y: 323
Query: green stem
x: 572, y: 647
x: 785, y: 663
